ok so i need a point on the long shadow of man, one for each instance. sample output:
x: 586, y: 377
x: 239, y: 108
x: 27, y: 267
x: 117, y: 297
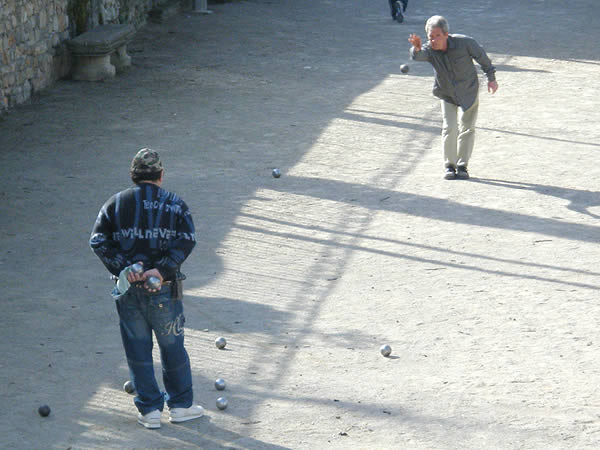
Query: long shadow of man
x: 579, y: 200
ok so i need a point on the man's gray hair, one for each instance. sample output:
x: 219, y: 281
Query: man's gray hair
x: 437, y: 22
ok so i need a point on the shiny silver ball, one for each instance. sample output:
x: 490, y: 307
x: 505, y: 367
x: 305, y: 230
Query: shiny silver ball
x: 386, y: 350
x: 221, y: 403
x: 276, y: 173
x: 137, y: 268
x: 219, y: 384
x: 129, y: 387
x: 220, y: 342
x: 404, y: 68
x: 153, y: 283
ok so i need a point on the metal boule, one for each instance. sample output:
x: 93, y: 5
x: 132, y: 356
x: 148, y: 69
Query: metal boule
x: 129, y: 387
x: 220, y: 343
x: 44, y: 410
x: 222, y: 403
x: 386, y: 350
x: 153, y: 283
x: 219, y: 384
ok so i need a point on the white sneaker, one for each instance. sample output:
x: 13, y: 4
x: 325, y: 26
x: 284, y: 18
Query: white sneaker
x: 183, y: 414
x: 150, y: 420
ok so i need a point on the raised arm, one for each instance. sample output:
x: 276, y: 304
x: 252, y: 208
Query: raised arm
x: 416, y: 51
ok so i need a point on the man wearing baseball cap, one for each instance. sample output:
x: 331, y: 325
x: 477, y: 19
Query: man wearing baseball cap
x: 152, y: 227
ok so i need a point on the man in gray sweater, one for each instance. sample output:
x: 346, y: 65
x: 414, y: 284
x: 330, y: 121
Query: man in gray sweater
x: 457, y: 86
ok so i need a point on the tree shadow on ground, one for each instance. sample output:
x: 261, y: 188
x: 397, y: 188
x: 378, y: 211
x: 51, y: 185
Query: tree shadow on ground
x: 202, y: 94
x: 443, y: 259
x: 439, y: 209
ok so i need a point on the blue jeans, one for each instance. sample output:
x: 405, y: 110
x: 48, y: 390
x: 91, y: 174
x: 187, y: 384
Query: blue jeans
x: 140, y: 314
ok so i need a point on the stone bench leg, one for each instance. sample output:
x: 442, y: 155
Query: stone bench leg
x: 93, y: 68
x: 120, y: 59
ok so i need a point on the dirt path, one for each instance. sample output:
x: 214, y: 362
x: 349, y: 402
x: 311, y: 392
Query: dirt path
x: 486, y: 290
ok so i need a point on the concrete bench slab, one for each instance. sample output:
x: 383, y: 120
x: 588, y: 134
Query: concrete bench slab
x: 101, y: 52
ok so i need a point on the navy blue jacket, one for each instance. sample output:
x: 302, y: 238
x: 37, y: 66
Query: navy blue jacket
x: 144, y: 223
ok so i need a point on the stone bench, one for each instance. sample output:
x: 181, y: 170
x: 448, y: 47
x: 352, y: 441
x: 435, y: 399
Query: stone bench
x: 101, y: 52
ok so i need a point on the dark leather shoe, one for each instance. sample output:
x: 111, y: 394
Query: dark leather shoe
x: 449, y: 173
x: 462, y: 173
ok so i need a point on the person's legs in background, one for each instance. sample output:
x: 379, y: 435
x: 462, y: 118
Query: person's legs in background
x: 449, y: 138
x: 466, y: 138
x: 396, y: 8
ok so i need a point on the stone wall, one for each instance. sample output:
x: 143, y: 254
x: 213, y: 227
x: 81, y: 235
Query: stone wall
x: 33, y: 53
x: 31, y: 32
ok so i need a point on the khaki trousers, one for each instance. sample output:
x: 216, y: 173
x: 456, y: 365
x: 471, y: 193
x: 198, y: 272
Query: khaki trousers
x: 458, y: 133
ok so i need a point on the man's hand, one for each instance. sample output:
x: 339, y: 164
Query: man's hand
x: 152, y: 273
x: 415, y: 41
x: 492, y: 86
x: 133, y: 277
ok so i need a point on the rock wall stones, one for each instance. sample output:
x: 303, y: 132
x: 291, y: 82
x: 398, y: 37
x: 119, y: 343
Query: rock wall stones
x: 33, y: 54
x: 31, y: 32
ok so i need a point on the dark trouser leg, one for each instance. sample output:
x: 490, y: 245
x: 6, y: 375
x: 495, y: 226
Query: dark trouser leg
x: 168, y: 320
x: 393, y: 11
x: 136, y: 334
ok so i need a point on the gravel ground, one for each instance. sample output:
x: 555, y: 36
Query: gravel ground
x: 485, y: 289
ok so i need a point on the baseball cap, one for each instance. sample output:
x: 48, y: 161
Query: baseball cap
x: 146, y: 161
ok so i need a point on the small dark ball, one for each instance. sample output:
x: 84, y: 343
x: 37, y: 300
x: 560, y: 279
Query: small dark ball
x: 44, y: 410
x: 404, y: 68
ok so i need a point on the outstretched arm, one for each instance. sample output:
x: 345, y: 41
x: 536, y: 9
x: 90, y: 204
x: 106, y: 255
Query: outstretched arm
x: 416, y: 51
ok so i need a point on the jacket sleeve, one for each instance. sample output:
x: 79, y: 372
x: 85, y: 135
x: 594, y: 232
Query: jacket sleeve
x: 102, y: 243
x: 421, y: 55
x: 478, y: 54
x: 181, y: 247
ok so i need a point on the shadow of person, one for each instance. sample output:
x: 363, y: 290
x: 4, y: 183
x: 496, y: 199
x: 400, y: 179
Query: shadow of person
x: 579, y: 200
x: 235, y: 315
x: 205, y: 433
x: 511, y: 68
